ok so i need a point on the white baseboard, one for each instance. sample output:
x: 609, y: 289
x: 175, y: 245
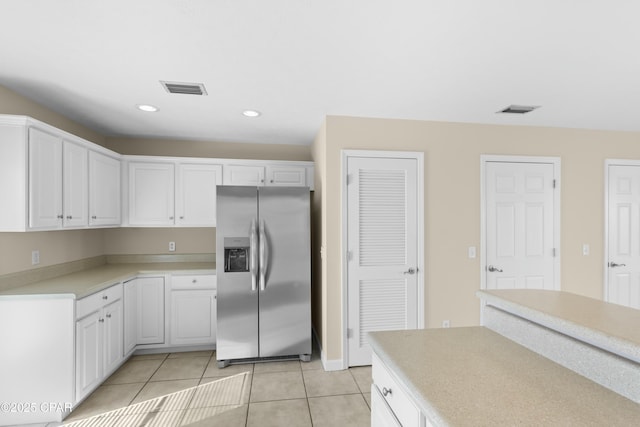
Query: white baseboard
x: 328, y: 365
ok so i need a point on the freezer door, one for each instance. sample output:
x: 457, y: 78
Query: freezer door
x: 237, y: 297
x: 285, y: 274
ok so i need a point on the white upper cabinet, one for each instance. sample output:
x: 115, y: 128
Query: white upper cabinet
x: 151, y: 194
x: 45, y: 180
x: 104, y: 190
x: 57, y: 182
x: 44, y: 177
x: 75, y: 185
x: 196, y: 194
x: 249, y: 175
x: 286, y: 176
x: 170, y: 193
x: 269, y: 173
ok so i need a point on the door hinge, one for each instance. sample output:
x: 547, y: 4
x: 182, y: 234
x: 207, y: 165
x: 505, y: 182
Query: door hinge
x: 348, y: 178
x: 554, y: 183
x: 349, y: 255
x: 349, y: 333
x: 553, y: 252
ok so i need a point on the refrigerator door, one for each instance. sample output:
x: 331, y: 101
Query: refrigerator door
x: 237, y: 294
x: 285, y: 294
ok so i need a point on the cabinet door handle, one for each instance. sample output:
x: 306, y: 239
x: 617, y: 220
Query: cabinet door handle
x: 101, y: 320
x: 109, y: 316
x: 194, y: 281
x: 386, y: 391
x: 60, y: 216
x: 171, y: 218
x: 94, y: 217
x: 105, y: 297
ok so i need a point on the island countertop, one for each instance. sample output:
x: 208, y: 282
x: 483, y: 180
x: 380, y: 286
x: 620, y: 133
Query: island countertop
x: 473, y: 376
x: 611, y: 327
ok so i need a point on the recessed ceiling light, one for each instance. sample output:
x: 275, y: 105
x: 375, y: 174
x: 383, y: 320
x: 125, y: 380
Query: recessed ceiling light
x: 251, y: 113
x: 147, y: 108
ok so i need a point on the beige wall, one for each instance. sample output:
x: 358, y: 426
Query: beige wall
x: 224, y: 150
x: 452, y: 204
x: 156, y: 240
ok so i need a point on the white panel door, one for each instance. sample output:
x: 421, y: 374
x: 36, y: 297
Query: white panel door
x: 623, y: 265
x: 520, y: 226
x: 383, y: 246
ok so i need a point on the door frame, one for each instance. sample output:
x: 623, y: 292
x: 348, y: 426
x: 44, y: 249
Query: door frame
x: 486, y: 158
x: 346, y: 154
x: 605, y: 267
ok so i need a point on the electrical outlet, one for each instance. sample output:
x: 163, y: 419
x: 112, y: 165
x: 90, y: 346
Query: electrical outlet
x: 172, y: 246
x: 446, y: 324
x: 35, y: 257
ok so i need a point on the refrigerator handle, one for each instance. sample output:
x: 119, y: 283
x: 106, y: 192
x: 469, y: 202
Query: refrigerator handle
x: 264, y: 255
x: 253, y: 260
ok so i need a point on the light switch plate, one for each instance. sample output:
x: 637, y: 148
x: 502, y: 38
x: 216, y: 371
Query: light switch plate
x: 471, y: 252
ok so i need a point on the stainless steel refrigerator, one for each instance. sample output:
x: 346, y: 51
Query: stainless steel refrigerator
x: 263, y: 265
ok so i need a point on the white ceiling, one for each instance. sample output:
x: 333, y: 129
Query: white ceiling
x: 299, y: 60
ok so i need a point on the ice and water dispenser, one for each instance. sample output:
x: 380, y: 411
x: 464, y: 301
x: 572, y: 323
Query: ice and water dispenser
x: 236, y: 254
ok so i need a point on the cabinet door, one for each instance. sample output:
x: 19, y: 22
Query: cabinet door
x: 196, y: 194
x: 75, y: 188
x: 45, y: 180
x: 286, y: 176
x: 151, y: 194
x: 193, y: 316
x: 88, y: 353
x: 104, y: 190
x: 150, y: 321
x: 113, y: 339
x: 244, y: 175
x: 130, y: 315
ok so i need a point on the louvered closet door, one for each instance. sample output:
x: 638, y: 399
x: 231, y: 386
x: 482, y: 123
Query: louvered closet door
x: 382, y: 245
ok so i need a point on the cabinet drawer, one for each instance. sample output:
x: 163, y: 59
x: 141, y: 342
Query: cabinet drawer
x: 399, y: 402
x: 94, y: 302
x: 193, y: 281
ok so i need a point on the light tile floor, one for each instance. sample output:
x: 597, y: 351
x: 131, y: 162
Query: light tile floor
x: 180, y: 389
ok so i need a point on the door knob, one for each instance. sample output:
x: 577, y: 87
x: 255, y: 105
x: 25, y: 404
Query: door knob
x: 410, y: 271
x: 492, y: 269
x: 613, y: 264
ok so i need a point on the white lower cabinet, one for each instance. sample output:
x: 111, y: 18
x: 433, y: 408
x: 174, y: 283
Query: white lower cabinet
x: 391, y: 405
x: 150, y: 310
x: 99, y: 338
x: 193, y: 310
x: 130, y: 316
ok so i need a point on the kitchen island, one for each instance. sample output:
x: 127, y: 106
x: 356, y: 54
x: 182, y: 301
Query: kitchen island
x: 477, y: 376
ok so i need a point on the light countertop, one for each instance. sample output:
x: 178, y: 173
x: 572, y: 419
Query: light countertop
x: 611, y: 327
x: 473, y: 376
x: 89, y: 281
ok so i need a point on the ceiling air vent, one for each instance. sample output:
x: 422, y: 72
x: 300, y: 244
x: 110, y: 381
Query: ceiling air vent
x: 184, y: 88
x: 518, y: 109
